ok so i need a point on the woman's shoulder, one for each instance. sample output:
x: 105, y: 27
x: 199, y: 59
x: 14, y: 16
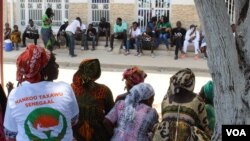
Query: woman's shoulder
x: 103, y: 86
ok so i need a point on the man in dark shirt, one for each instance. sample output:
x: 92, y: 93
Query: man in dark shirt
x: 61, y: 32
x: 148, y: 42
x: 90, y: 36
x: 178, y: 36
x: 103, y: 30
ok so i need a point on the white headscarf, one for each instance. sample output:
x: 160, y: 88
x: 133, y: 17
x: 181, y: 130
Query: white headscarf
x: 139, y: 92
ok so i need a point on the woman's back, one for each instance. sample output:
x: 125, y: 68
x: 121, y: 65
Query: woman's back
x: 139, y: 128
x: 42, y: 110
x: 94, y: 103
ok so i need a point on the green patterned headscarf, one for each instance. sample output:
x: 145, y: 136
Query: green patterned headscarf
x: 209, y: 91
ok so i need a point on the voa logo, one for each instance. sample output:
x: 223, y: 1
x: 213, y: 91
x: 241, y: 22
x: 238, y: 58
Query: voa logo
x: 236, y: 132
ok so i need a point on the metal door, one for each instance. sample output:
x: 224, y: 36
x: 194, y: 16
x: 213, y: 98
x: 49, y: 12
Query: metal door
x: 99, y: 9
x: 150, y: 8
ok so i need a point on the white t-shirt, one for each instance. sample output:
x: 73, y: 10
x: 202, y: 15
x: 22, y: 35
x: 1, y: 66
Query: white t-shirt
x: 42, y: 110
x: 72, y: 27
x: 135, y: 33
x: 83, y: 27
x: 196, y: 34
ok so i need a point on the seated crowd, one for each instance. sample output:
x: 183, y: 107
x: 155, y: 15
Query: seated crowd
x: 155, y: 33
x: 41, y: 109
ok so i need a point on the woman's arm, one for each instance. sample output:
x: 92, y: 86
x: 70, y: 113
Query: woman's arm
x: 109, y: 126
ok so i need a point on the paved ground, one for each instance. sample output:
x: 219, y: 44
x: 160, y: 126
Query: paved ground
x: 162, y: 62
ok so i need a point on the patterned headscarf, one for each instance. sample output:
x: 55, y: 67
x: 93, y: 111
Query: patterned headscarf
x: 184, y: 79
x: 89, y: 70
x: 30, y: 63
x: 139, y: 92
x: 133, y: 76
x: 209, y: 91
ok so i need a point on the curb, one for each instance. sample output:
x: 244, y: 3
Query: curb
x: 115, y: 67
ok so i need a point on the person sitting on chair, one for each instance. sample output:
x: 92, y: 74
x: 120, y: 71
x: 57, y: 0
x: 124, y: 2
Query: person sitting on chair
x: 103, y: 30
x: 7, y: 31
x: 120, y: 32
x: 148, y: 42
x: 164, y: 29
x: 177, y: 38
x: 192, y: 36
x: 134, y: 35
x: 15, y: 37
x: 30, y: 32
x: 90, y: 36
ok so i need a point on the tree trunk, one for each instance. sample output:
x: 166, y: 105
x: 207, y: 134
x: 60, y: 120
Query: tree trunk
x: 228, y: 60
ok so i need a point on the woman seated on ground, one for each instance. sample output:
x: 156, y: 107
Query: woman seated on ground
x: 133, y: 118
x: 95, y: 101
x: 184, y: 116
x: 207, y: 94
x: 39, y: 109
x: 132, y: 77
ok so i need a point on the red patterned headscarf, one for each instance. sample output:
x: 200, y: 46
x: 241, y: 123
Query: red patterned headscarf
x: 133, y: 76
x: 30, y: 63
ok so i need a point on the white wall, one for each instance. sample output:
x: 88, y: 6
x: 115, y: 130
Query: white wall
x: 183, y: 2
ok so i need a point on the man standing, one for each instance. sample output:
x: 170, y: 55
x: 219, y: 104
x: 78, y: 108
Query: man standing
x: 103, y: 30
x: 70, y: 31
x: 192, y: 37
x: 120, y: 32
x: 90, y: 36
x: 177, y: 38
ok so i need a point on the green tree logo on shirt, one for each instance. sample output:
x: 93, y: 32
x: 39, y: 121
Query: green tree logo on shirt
x: 45, y: 124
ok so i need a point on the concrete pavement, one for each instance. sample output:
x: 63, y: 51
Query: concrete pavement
x: 162, y: 62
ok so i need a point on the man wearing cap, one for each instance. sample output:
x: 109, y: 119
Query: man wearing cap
x: 62, y: 29
x: 192, y: 37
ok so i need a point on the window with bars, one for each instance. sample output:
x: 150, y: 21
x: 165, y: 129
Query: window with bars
x: 99, y: 9
x: 150, y: 8
x: 231, y: 10
x: 34, y: 9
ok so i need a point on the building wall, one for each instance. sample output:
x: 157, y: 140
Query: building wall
x: 78, y: 10
x: 183, y: 10
x: 125, y: 11
x: 187, y: 14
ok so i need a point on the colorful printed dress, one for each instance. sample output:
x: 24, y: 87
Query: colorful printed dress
x: 138, y: 130
x: 94, y: 103
x: 192, y: 124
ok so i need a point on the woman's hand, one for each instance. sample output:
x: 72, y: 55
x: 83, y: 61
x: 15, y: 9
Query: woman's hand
x: 9, y: 86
